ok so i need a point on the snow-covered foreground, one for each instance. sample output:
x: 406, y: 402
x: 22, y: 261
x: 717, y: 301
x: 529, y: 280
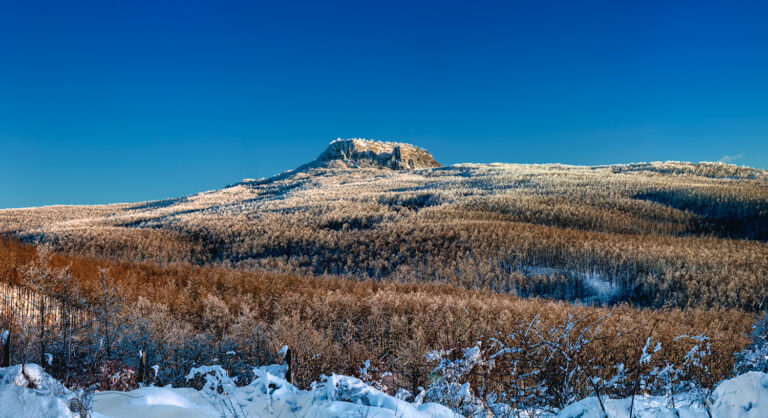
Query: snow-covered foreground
x: 270, y: 395
x: 745, y: 396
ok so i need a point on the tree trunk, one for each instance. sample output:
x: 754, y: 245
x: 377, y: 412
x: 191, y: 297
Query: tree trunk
x: 289, y: 372
x: 142, y: 367
x: 5, y: 361
x: 42, y: 332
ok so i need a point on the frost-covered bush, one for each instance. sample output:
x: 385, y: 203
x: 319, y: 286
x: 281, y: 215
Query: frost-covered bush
x: 566, y: 361
x: 114, y: 375
x: 538, y: 369
x: 755, y: 356
x: 219, y: 389
x: 541, y: 369
x: 383, y: 380
x: 451, y: 387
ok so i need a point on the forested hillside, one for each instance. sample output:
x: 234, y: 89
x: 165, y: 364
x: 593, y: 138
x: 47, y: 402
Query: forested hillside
x: 92, y: 317
x: 651, y: 234
x: 492, y: 289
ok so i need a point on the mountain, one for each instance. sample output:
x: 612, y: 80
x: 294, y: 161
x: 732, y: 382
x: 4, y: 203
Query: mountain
x: 653, y: 234
x: 354, y: 153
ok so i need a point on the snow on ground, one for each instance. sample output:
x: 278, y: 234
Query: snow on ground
x: 745, y: 396
x: 269, y: 395
x: 602, y: 288
x: 19, y: 402
x: 33, y: 393
x: 49, y: 398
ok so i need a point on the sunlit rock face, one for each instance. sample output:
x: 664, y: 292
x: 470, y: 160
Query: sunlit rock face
x: 363, y: 153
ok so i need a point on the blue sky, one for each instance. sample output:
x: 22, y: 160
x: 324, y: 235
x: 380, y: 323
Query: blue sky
x: 113, y: 101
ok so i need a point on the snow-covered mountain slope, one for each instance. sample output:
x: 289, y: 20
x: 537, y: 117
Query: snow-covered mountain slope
x: 360, y: 171
x: 367, y: 173
x: 386, y: 210
x: 370, y: 172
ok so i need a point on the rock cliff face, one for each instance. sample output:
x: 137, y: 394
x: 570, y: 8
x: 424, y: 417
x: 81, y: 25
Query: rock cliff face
x: 363, y: 153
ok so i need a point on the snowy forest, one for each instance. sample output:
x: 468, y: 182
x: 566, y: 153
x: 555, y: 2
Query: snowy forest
x: 653, y: 235
x: 99, y: 326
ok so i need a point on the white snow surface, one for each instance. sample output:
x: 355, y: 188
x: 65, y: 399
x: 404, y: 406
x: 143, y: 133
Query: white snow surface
x: 20, y: 402
x: 49, y: 398
x: 270, y: 395
x: 744, y: 396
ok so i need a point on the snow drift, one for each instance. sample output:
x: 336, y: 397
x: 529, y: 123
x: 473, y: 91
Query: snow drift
x: 33, y: 393
x: 269, y: 395
x: 744, y: 396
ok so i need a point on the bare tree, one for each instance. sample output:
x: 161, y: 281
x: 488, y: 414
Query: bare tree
x: 106, y: 308
x: 46, y: 281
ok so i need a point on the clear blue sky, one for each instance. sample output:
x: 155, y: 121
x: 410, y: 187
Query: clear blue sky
x: 113, y: 101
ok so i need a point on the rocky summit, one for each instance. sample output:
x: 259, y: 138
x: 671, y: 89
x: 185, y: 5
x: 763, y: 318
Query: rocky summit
x: 364, y: 153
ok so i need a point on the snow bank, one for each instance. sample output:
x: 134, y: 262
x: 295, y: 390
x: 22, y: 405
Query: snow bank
x: 269, y: 395
x: 30, y: 392
x: 645, y: 407
x: 34, y: 393
x: 358, y: 395
x: 31, y: 376
x: 19, y: 402
x: 744, y: 396
x: 153, y: 402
